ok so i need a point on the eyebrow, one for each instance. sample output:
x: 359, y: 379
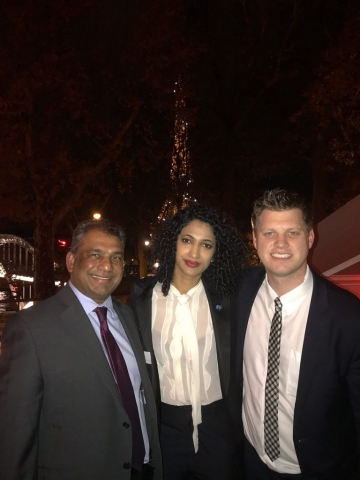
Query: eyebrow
x: 201, y: 240
x: 99, y: 250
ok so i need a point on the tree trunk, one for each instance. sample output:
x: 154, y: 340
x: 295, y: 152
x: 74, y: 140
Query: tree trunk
x: 44, y: 277
x: 142, y: 255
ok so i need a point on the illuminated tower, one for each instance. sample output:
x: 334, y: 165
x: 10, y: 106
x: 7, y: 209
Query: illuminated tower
x: 180, y: 172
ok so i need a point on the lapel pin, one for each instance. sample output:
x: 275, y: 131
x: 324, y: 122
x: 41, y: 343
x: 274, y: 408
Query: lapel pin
x: 219, y: 307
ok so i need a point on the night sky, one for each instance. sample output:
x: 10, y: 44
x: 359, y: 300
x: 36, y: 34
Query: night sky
x: 88, y: 107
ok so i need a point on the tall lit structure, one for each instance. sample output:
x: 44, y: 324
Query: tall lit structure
x: 180, y: 172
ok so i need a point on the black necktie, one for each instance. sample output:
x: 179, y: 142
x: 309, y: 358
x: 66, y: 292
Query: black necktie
x: 271, y: 423
x: 121, y: 374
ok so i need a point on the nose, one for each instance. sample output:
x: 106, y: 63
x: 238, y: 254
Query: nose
x: 281, y: 241
x: 194, y: 251
x: 104, y: 263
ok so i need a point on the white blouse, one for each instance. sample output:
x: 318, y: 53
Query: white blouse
x: 185, y: 350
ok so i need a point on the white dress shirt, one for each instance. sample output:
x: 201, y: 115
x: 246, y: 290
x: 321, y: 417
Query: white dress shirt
x: 118, y: 332
x: 295, y: 310
x: 185, y: 349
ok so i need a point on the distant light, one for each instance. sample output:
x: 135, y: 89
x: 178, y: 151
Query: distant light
x: 62, y: 243
x: 29, y: 304
x: 31, y: 279
x: 23, y: 278
x: 147, y: 242
x: 97, y: 216
x: 156, y: 264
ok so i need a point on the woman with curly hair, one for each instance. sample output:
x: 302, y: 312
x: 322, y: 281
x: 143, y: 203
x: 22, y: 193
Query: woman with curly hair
x: 184, y: 317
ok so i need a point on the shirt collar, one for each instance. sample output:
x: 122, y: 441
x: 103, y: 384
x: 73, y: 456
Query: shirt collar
x: 291, y: 300
x: 190, y: 293
x: 88, y: 303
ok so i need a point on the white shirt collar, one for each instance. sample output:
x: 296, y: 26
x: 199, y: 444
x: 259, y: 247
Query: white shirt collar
x: 291, y: 300
x: 190, y: 293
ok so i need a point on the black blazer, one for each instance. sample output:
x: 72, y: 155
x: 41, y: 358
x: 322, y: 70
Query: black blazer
x: 61, y: 416
x: 327, y: 409
x: 141, y: 296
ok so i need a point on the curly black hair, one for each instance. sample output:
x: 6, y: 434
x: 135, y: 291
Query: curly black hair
x: 231, y: 253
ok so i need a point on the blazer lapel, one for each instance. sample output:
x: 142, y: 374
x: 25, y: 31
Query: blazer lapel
x: 143, y: 311
x: 77, y: 322
x: 314, y: 337
x: 220, y: 316
x: 249, y: 286
x: 141, y: 298
x: 128, y: 322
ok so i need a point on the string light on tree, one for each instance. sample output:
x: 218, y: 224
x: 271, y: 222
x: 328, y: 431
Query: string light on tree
x: 180, y: 172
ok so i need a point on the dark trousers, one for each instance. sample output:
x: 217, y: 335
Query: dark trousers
x: 215, y: 458
x: 147, y: 473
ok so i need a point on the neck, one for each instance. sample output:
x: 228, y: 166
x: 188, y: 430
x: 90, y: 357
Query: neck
x: 283, y: 285
x: 184, y: 284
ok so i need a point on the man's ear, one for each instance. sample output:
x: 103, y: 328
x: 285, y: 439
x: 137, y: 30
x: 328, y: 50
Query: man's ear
x: 311, y: 238
x: 254, y: 239
x: 70, y: 259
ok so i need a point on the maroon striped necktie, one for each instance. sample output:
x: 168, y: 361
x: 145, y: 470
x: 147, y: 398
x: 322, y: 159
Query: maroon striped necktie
x: 121, y: 374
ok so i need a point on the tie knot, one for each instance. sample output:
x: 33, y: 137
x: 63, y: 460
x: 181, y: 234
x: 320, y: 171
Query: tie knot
x: 278, y: 304
x: 101, y: 312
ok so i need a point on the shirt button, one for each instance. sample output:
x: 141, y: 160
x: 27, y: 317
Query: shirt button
x: 126, y: 425
x: 127, y: 465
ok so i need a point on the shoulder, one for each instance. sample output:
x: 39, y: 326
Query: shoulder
x: 252, y: 275
x: 337, y: 297
x: 122, y: 307
x: 41, y: 317
x: 142, y: 284
x: 50, y: 306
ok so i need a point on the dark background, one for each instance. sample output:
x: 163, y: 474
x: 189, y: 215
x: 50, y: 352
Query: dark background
x: 268, y: 93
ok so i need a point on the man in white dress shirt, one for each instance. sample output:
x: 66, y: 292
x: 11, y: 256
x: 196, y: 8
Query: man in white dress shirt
x: 297, y: 354
x: 64, y: 411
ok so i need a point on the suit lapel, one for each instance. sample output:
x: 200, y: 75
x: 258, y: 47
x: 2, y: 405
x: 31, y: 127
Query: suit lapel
x: 77, y: 322
x: 248, y: 289
x: 143, y: 311
x: 128, y: 322
x: 141, y: 298
x: 313, y: 340
x: 220, y: 316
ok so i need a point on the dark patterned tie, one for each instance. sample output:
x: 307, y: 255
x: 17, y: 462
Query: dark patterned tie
x: 125, y: 387
x: 271, y: 424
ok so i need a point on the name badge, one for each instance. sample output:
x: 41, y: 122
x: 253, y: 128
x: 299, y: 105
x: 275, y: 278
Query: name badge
x: 147, y: 357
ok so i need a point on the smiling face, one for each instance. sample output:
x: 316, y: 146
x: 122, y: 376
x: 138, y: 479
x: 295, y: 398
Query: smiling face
x: 282, y: 242
x: 97, y: 267
x: 195, y: 248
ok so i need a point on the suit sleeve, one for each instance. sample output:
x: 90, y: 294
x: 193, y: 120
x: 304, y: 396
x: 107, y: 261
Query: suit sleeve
x: 21, y: 390
x: 353, y: 379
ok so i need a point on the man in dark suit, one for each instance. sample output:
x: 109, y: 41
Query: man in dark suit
x: 75, y: 398
x: 297, y: 355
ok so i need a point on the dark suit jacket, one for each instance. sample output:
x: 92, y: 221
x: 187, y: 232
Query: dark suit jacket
x: 141, y: 296
x: 327, y: 410
x: 61, y: 416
